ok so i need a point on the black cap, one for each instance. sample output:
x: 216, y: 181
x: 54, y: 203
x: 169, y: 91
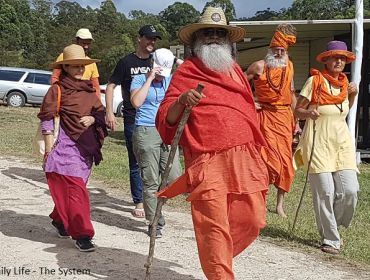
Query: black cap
x: 150, y: 31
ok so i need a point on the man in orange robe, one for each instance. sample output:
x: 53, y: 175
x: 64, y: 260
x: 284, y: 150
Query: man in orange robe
x: 226, y: 176
x: 274, y: 90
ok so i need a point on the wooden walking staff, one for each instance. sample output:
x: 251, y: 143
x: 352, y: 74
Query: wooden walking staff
x: 309, y: 162
x: 165, y: 176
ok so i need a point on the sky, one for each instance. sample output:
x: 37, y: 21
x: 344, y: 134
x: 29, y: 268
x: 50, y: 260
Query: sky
x: 243, y: 8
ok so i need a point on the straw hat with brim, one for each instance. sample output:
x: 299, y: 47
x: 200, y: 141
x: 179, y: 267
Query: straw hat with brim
x: 211, y: 18
x: 74, y: 55
x: 336, y: 48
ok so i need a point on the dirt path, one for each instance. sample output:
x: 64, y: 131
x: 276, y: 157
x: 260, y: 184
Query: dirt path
x: 30, y: 249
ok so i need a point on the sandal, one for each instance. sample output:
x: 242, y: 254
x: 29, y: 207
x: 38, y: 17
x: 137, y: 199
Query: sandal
x: 329, y: 249
x: 138, y: 213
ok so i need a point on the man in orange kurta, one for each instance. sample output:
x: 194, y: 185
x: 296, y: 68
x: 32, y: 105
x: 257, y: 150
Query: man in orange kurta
x: 226, y: 175
x: 274, y: 90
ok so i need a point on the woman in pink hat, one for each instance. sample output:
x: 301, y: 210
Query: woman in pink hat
x: 324, y: 103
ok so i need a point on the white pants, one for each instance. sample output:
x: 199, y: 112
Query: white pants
x: 334, y: 199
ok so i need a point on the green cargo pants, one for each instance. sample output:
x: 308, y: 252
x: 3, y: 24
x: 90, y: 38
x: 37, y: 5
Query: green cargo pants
x: 151, y: 155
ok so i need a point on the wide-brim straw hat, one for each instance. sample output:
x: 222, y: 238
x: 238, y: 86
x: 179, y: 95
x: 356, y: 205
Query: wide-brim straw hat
x: 336, y: 48
x: 211, y: 18
x: 74, y: 55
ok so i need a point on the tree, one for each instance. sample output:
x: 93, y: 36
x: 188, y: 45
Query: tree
x: 176, y: 16
x: 69, y: 13
x: 267, y: 14
x: 10, y: 55
x: 313, y: 9
x: 22, y: 9
x: 28, y: 40
x: 9, y: 27
x: 40, y: 47
x: 111, y: 57
x: 108, y: 18
x: 226, y: 5
x: 43, y: 9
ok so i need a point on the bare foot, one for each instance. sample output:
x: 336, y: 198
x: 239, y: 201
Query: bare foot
x: 280, y: 212
x: 280, y: 203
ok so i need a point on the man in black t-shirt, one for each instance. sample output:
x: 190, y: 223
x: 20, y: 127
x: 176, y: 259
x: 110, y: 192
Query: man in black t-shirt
x: 133, y: 64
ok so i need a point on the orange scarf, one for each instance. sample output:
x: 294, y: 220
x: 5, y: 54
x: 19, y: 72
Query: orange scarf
x: 320, y: 91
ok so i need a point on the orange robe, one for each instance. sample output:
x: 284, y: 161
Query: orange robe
x: 277, y: 122
x: 227, y: 191
x: 226, y: 176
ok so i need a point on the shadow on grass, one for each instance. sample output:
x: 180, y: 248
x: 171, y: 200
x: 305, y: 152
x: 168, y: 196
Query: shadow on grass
x: 104, y: 263
x: 105, y: 209
x: 286, y: 234
x: 117, y: 134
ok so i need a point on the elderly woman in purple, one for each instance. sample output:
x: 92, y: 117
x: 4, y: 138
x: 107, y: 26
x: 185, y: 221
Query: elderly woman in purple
x: 68, y: 163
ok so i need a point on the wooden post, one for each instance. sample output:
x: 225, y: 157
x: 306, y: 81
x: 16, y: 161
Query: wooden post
x: 357, y: 46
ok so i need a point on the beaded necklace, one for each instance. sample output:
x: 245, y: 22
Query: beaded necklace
x: 279, y: 86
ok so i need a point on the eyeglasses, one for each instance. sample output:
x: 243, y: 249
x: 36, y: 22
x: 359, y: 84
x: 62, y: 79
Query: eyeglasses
x: 214, y: 32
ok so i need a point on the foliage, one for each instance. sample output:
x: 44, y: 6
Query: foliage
x: 9, y: 26
x: 267, y: 14
x: 70, y: 14
x: 313, y: 9
x: 176, y: 16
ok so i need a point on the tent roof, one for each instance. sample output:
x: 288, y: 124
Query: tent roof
x: 259, y: 33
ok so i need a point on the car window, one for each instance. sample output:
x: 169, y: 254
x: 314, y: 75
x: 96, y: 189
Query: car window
x: 30, y: 78
x: 10, y: 75
x: 43, y: 79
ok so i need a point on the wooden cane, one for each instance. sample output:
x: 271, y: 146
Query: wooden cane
x: 308, y: 165
x: 306, y: 181
x: 165, y: 176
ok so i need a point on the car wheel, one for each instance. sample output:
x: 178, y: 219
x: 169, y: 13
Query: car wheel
x: 119, y: 110
x: 15, y: 99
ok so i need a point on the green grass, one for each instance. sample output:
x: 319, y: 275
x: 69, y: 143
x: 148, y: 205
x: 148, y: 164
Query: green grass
x: 356, y: 238
x: 18, y: 127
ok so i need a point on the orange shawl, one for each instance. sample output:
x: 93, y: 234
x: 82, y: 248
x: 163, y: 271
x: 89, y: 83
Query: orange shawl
x: 320, y: 91
x: 224, y: 119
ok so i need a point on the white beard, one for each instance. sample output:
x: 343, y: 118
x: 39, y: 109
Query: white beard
x: 273, y: 62
x: 216, y: 57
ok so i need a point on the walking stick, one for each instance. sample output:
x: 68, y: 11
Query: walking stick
x: 309, y: 163
x: 306, y: 181
x: 165, y: 176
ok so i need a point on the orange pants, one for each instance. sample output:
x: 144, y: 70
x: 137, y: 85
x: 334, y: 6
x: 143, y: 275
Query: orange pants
x: 224, y: 227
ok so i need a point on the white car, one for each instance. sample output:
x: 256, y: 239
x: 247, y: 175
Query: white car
x: 19, y: 86
x: 117, y: 99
